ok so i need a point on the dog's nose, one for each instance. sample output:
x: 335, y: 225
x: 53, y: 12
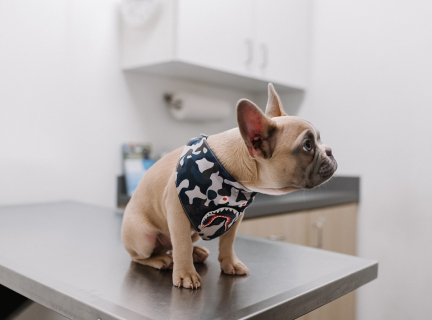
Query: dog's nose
x: 328, y: 152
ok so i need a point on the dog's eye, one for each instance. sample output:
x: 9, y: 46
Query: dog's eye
x: 307, y: 146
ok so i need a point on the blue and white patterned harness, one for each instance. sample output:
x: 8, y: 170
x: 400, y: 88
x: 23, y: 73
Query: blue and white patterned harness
x: 211, y: 198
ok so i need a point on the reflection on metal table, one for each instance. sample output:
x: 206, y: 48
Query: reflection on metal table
x: 69, y: 257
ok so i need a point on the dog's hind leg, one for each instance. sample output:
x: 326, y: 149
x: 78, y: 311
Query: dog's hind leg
x: 147, y: 253
x: 159, y: 261
x: 200, y: 254
x: 143, y: 246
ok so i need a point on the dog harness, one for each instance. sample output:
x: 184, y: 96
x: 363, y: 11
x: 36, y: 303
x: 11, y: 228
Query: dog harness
x: 211, y: 198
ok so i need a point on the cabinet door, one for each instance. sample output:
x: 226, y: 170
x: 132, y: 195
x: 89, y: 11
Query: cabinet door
x: 287, y: 227
x: 216, y: 34
x: 283, y: 40
x: 334, y: 229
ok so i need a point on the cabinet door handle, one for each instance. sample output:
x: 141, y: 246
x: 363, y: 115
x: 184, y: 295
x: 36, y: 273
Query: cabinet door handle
x: 318, y: 226
x: 264, y: 50
x: 274, y: 237
x: 249, y: 55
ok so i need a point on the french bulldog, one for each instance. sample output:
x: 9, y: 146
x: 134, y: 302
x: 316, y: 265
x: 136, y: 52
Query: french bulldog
x: 201, y: 190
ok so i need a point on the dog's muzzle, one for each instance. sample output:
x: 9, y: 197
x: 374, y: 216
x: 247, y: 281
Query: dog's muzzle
x: 324, y: 171
x: 328, y: 168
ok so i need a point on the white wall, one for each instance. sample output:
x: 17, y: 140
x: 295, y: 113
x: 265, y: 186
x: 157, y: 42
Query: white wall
x: 371, y: 97
x: 66, y: 107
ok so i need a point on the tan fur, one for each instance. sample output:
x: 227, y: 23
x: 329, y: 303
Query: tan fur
x: 154, y: 221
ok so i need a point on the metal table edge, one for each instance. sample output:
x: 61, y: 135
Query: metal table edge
x: 15, y: 281
x: 283, y: 303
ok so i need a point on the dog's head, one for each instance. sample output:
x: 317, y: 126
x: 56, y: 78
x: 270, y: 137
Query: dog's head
x: 288, y: 150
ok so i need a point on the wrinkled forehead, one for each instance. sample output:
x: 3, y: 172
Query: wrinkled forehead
x: 296, y: 126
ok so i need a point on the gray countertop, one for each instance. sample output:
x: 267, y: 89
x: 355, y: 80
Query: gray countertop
x: 69, y: 257
x: 339, y: 190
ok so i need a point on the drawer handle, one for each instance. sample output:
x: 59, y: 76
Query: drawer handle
x: 274, y: 237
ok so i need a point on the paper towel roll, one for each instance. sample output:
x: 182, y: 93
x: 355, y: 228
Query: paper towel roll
x: 187, y: 106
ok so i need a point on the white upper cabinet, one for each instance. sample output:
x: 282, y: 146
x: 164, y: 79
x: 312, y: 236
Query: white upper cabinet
x: 216, y: 34
x: 282, y: 40
x: 237, y: 43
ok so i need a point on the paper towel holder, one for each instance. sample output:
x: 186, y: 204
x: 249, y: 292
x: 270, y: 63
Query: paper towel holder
x: 186, y: 106
x: 172, y: 103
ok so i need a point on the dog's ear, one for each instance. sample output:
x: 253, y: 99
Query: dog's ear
x: 256, y: 129
x: 274, y: 106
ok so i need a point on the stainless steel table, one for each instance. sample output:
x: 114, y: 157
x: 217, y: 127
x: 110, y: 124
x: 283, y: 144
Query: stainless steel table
x: 69, y: 257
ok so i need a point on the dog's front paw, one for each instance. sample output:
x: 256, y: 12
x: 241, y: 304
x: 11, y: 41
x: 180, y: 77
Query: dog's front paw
x: 233, y: 266
x: 186, y: 278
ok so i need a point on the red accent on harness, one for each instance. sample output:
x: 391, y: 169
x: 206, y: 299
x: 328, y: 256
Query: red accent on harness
x: 214, y: 217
